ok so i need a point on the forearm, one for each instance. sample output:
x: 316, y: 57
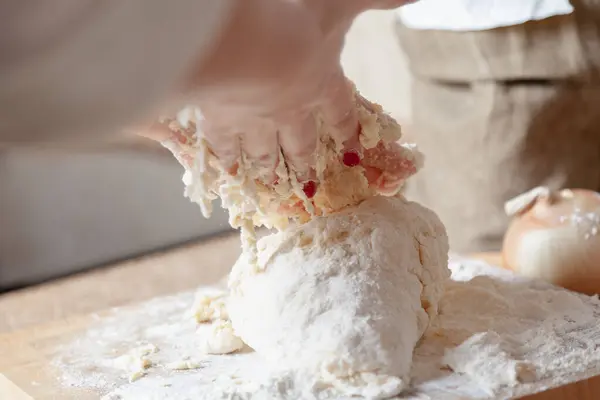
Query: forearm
x: 255, y: 51
x: 77, y: 69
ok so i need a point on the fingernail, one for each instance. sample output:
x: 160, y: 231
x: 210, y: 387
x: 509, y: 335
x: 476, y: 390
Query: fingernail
x: 351, y: 158
x: 310, y: 189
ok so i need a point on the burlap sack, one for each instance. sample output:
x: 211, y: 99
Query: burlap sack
x: 499, y: 112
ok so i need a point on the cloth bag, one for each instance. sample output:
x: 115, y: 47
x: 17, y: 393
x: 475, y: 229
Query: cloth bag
x: 500, y: 111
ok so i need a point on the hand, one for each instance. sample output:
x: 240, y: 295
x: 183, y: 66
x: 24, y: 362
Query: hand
x: 276, y: 62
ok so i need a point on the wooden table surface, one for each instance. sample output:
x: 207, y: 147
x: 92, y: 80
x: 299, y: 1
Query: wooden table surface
x: 35, y: 314
x: 132, y: 281
x: 127, y: 282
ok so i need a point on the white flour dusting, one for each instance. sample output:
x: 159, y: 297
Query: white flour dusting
x: 472, y: 358
x: 588, y: 222
x: 503, y: 335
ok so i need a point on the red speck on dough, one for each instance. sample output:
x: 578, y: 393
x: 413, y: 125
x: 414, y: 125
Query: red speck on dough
x: 351, y: 158
x: 309, y: 189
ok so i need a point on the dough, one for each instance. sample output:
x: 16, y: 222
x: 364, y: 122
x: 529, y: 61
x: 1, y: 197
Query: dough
x: 343, y: 299
x: 340, y: 296
x: 220, y: 339
x: 136, y: 361
x: 209, y: 306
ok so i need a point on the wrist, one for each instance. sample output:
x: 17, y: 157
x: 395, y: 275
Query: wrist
x: 255, y: 45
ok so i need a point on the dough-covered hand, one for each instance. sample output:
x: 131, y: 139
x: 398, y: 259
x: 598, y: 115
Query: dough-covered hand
x: 278, y: 61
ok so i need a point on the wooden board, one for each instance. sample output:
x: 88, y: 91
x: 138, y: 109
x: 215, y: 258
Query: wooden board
x: 165, y: 272
x: 26, y: 372
x: 25, y: 362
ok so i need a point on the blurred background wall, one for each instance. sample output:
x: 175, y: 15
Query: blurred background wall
x: 375, y: 62
x: 65, y: 211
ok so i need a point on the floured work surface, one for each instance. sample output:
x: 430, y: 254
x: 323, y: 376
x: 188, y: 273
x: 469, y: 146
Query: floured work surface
x: 502, y: 335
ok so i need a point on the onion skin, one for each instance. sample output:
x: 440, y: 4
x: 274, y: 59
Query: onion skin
x: 556, y: 237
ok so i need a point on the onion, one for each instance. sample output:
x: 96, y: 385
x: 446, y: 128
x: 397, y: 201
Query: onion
x: 555, y: 236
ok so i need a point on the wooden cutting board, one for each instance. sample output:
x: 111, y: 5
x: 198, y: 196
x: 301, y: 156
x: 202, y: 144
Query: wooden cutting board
x: 26, y: 372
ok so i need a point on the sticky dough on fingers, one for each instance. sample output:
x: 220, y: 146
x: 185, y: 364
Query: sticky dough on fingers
x: 260, y: 146
x: 298, y: 139
x: 224, y: 143
x: 339, y: 112
x: 253, y: 203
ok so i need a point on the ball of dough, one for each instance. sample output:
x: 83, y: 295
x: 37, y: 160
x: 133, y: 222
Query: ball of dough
x: 345, y: 298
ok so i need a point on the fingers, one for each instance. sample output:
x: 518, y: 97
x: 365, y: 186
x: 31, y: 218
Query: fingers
x: 372, y: 174
x: 298, y: 141
x: 261, y: 147
x: 157, y: 131
x: 224, y: 143
x: 339, y: 113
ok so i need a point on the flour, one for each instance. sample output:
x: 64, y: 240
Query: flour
x: 553, y: 331
x: 588, y: 223
x: 136, y: 361
x: 509, y: 334
x: 473, y: 356
x: 342, y: 300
